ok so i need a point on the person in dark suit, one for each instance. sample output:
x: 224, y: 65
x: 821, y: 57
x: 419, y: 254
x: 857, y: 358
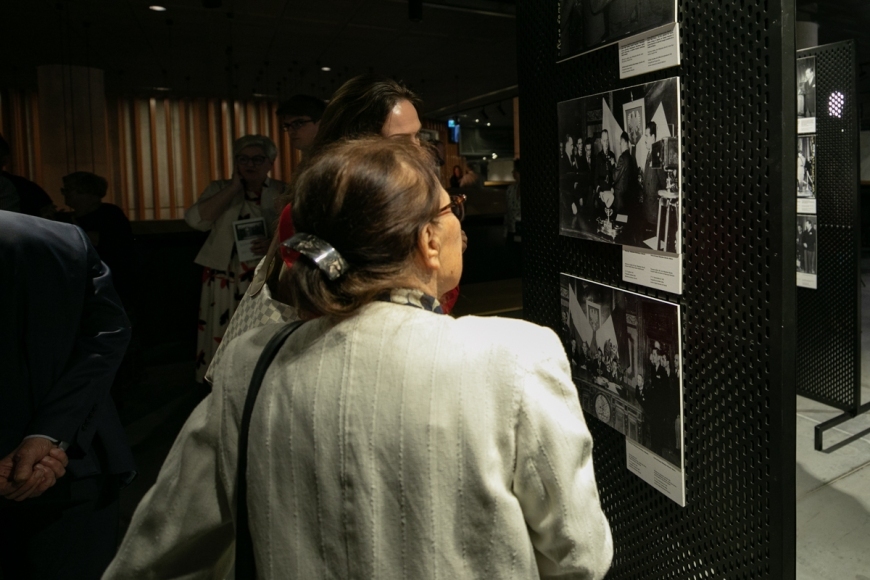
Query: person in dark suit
x: 585, y: 169
x: 654, y: 179
x: 605, y: 163
x: 63, y: 335
x: 624, y: 177
x: 808, y: 242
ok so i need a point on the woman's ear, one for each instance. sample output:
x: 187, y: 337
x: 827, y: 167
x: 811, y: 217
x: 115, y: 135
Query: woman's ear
x: 429, y: 246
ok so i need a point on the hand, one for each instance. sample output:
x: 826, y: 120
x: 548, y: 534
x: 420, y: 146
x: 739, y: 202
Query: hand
x: 238, y: 183
x: 31, y: 469
x: 464, y: 240
x: 260, y: 246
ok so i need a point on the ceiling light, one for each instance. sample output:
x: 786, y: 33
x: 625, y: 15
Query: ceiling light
x: 477, y: 120
x: 157, y: 8
x: 494, y: 156
x: 325, y: 69
x: 488, y: 124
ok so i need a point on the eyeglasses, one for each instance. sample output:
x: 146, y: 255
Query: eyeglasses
x: 256, y: 160
x: 295, y: 125
x: 456, y: 205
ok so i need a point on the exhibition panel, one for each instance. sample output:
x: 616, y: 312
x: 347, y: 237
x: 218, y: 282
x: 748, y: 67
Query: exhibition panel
x: 731, y: 362
x: 829, y: 250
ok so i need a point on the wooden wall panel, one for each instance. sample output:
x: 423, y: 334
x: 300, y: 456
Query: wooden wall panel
x: 165, y: 152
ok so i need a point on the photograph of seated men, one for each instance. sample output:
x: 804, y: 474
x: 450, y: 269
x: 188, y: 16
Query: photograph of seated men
x: 624, y: 355
x: 623, y: 186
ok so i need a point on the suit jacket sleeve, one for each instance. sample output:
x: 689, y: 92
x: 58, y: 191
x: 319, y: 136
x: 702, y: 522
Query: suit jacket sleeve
x: 104, y: 332
x: 554, y: 480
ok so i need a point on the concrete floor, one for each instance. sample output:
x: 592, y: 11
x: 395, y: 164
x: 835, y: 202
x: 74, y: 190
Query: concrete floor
x: 833, y: 487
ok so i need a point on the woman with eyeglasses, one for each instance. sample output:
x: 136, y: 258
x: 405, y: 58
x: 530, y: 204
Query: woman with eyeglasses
x: 366, y: 105
x: 250, y: 194
x: 387, y: 440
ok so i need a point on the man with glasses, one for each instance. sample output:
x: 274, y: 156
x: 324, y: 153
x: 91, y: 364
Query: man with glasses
x: 300, y: 117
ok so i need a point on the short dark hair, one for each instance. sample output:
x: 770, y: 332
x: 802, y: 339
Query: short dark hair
x: 589, y: 141
x: 360, y: 107
x: 303, y: 105
x: 652, y: 128
x: 603, y: 131
x: 624, y: 137
x: 87, y: 183
x: 369, y: 199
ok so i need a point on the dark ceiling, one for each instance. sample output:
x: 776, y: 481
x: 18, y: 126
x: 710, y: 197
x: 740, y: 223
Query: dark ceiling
x: 462, y: 49
x: 461, y: 56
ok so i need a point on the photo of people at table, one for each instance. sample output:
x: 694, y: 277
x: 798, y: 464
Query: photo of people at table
x: 624, y: 350
x: 619, y: 167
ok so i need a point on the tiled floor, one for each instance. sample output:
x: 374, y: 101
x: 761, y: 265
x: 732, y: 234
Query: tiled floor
x: 833, y: 486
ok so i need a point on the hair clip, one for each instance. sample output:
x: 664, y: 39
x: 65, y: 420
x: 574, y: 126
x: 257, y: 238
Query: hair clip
x: 320, y: 252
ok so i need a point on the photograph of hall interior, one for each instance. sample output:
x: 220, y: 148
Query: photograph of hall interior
x: 159, y: 167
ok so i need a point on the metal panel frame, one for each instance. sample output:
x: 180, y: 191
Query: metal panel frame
x: 738, y: 307
x: 829, y: 317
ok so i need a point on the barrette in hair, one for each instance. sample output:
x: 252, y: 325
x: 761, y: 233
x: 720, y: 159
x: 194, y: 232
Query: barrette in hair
x: 320, y: 252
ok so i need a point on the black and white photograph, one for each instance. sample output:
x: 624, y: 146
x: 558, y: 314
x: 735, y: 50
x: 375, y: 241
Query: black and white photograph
x: 246, y: 231
x: 806, y: 174
x: 250, y: 231
x: 806, y: 94
x: 585, y: 25
x: 807, y: 246
x: 624, y: 350
x: 619, y: 166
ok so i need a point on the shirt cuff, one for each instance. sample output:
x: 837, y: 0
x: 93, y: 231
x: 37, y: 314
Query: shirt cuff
x: 62, y: 444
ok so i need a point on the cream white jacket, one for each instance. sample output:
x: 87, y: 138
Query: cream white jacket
x: 398, y: 444
x: 218, y: 247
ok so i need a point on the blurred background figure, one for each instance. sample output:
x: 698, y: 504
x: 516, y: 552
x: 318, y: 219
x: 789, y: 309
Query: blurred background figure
x: 456, y: 176
x: 250, y: 193
x: 470, y: 179
x: 32, y: 199
x: 107, y: 227
x: 300, y: 118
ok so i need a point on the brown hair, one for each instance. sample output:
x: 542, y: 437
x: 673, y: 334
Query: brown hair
x: 360, y: 107
x: 369, y: 198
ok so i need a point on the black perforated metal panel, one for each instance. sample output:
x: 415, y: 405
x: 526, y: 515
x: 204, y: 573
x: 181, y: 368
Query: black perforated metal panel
x: 829, y: 317
x: 738, y: 222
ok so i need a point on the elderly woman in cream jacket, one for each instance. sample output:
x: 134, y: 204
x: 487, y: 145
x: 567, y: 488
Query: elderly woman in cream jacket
x: 388, y: 440
x: 250, y: 194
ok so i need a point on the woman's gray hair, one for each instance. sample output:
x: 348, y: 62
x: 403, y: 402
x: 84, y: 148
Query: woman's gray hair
x: 261, y: 141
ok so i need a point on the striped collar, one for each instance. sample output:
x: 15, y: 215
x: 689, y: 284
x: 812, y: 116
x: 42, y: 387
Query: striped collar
x: 415, y: 298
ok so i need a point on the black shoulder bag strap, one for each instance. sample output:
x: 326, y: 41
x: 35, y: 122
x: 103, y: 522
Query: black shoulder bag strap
x: 246, y: 566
